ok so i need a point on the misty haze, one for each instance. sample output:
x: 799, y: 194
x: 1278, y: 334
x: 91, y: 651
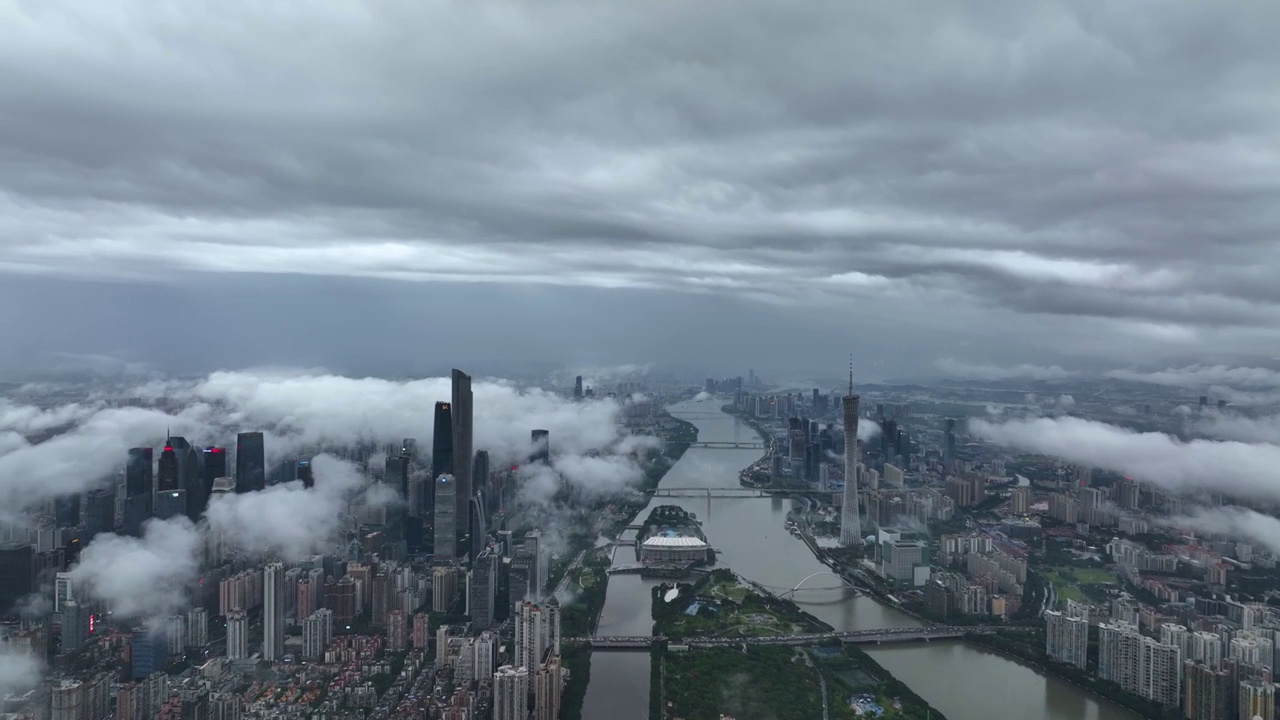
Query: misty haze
x: 709, y: 360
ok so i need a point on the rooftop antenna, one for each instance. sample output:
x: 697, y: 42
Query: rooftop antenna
x: 850, y: 374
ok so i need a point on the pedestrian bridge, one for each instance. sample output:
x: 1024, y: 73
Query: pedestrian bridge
x: 878, y: 636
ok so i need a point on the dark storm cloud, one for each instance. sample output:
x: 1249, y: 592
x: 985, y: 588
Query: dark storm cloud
x: 1064, y: 170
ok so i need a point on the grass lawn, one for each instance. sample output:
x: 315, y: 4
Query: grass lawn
x: 1091, y: 576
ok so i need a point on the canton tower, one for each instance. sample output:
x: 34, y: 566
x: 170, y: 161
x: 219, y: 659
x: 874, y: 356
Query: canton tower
x: 850, y: 525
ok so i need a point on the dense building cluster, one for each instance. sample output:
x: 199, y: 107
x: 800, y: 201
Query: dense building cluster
x: 436, y: 605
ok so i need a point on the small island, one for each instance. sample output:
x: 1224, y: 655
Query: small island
x: 826, y: 679
x: 672, y: 537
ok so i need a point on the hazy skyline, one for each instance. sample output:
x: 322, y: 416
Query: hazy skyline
x: 400, y: 187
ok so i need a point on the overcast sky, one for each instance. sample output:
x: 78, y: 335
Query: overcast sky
x: 400, y: 186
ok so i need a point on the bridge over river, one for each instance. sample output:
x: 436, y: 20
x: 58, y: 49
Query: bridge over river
x: 885, y: 635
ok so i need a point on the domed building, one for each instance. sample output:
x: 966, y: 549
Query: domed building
x: 673, y: 545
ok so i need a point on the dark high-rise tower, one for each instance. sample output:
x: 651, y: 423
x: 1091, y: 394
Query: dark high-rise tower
x: 541, y: 447
x: 462, y: 448
x: 66, y: 511
x: 577, y: 388
x: 215, y: 466
x: 17, y: 574
x: 190, y: 476
x: 850, y: 522
x: 397, y: 476
x: 139, y: 490
x: 442, y: 441
x: 251, y: 462
x: 168, y: 475
x: 305, y: 474
x: 99, y: 512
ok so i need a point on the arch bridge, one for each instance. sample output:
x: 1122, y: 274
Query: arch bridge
x: 844, y: 584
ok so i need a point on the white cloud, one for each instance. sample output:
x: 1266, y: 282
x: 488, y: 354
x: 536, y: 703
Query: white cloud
x: 19, y: 670
x: 145, y: 578
x: 1233, y: 522
x: 1202, y: 376
x: 1241, y: 469
x: 971, y: 371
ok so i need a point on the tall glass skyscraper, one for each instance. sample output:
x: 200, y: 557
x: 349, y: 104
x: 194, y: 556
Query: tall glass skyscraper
x: 462, y: 450
x: 442, y: 441
x: 251, y: 462
x: 139, y: 490
x: 446, y: 519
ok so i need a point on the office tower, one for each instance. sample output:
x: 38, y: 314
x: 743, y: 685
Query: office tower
x: 446, y: 519
x: 850, y: 523
x: 75, y: 625
x: 139, y: 485
x: 197, y: 627
x: 17, y: 573
x: 537, y: 633
x: 317, y: 633
x: 397, y: 477
x: 577, y: 388
x: 518, y: 578
x: 303, y: 472
x: 548, y: 684
x: 1067, y: 634
x: 510, y: 693
x: 66, y: 511
x: 62, y: 590
x: 237, y: 634
x: 480, y: 473
x: 99, y: 512
x: 444, y: 586
x: 462, y: 440
x: 481, y: 587
x: 214, y: 465
x: 1257, y: 699
x: 541, y: 452
x: 148, y: 654
x: 273, y: 602
x: 1207, y: 694
x: 442, y: 441
x: 537, y: 570
x: 170, y: 503
x: 251, y: 462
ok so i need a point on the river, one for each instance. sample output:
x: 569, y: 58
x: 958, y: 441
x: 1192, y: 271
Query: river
x: 964, y: 682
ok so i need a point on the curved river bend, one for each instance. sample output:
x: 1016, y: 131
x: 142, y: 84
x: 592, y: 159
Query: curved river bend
x: 964, y: 682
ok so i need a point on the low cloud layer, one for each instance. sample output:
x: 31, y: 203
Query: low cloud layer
x: 969, y: 371
x: 1245, y: 470
x: 1233, y: 522
x: 142, y: 579
x: 297, y: 410
x: 19, y: 670
x: 1204, y: 376
x: 288, y: 521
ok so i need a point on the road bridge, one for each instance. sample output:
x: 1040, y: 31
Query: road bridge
x: 734, y: 491
x: 731, y: 445
x: 877, y: 636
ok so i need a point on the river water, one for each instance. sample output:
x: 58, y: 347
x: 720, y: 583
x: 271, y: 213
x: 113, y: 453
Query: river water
x: 962, y: 681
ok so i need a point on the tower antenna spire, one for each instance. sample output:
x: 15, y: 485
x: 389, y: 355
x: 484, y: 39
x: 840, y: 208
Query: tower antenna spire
x: 850, y: 374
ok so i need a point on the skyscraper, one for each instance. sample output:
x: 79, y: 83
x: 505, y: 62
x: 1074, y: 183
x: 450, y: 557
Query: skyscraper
x: 305, y: 474
x: 577, y: 388
x: 442, y: 441
x: 317, y: 633
x: 149, y: 653
x: 541, y: 440
x: 273, y: 602
x: 481, y: 586
x: 251, y: 462
x: 66, y: 511
x: 99, y: 512
x: 397, y: 477
x: 510, y: 693
x: 1207, y: 694
x: 215, y: 466
x: 139, y: 490
x: 446, y: 519
x: 462, y: 449
x: 850, y: 523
